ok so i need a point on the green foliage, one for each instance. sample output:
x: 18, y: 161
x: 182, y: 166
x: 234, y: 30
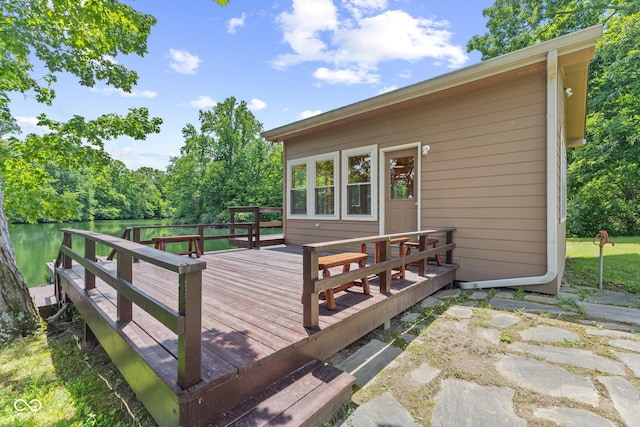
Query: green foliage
x: 223, y: 164
x: 603, y: 176
x: 40, y: 40
x: 106, y: 191
x: 516, y: 24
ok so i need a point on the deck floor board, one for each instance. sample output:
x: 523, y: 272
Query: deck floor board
x: 252, y: 314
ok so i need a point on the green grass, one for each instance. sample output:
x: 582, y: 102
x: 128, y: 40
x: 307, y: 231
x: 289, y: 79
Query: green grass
x: 75, y: 386
x: 621, y: 264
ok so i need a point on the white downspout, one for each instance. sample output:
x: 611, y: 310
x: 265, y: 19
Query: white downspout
x: 552, y: 191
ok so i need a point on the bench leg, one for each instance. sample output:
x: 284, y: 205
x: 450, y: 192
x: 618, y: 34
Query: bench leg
x: 365, y: 280
x: 194, y: 248
x: 402, y: 252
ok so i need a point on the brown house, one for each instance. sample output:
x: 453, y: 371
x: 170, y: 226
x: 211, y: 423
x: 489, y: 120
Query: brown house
x: 482, y: 149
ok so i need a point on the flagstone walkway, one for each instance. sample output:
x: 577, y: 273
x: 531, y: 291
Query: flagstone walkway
x: 512, y: 363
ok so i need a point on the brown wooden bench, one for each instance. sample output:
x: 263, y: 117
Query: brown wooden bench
x: 193, y: 239
x: 402, y: 251
x: 345, y: 260
x: 430, y: 242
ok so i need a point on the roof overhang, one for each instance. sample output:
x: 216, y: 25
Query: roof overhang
x: 575, y: 50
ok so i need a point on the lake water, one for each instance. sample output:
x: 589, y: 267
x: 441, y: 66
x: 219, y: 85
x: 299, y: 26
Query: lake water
x: 37, y: 244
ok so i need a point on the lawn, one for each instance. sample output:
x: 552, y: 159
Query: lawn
x: 621, y: 264
x: 51, y: 379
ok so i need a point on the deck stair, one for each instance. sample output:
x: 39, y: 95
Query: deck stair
x: 309, y: 396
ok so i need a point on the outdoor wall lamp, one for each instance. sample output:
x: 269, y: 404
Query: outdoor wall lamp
x: 425, y: 150
x: 568, y: 91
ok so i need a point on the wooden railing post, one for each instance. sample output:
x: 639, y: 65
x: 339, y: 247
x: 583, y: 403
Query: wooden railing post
x: 232, y: 220
x: 90, y: 254
x: 125, y: 271
x: 136, y: 234
x: 201, y: 233
x: 385, y: 276
x: 189, y: 342
x: 250, y: 236
x: 256, y: 224
x: 310, y: 309
x: 449, y: 258
x: 66, y: 259
x: 422, y: 263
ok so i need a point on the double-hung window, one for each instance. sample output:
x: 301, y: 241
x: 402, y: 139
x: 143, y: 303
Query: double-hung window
x: 359, y: 177
x: 312, y: 187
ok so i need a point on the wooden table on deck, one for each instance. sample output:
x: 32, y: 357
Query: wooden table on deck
x: 193, y: 239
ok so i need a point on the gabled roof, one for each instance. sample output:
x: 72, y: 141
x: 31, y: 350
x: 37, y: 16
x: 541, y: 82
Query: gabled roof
x: 575, y: 50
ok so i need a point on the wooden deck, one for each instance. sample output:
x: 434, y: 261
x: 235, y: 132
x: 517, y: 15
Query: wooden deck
x: 265, y: 240
x: 252, y: 328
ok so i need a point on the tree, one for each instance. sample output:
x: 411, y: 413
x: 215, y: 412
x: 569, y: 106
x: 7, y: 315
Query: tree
x: 604, y: 175
x: 58, y: 36
x: 225, y: 163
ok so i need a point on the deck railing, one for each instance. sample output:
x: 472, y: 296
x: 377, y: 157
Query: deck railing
x: 185, y: 321
x: 256, y: 211
x: 134, y: 233
x: 313, y: 285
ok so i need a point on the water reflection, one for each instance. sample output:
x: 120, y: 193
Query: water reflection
x: 37, y: 244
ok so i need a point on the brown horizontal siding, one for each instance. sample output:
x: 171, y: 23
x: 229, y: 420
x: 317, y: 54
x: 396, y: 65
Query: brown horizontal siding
x: 300, y: 232
x: 487, y: 178
x: 485, y: 173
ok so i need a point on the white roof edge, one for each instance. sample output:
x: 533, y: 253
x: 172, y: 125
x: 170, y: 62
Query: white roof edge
x: 564, y: 45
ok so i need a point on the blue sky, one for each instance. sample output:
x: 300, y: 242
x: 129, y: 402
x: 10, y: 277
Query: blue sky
x: 288, y: 59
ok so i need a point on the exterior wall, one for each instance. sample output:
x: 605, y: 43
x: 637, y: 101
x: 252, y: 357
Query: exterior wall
x: 486, y: 176
x: 485, y: 173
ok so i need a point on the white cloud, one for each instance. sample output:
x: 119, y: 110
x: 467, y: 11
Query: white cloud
x: 133, y: 94
x: 234, y: 23
x: 184, y: 62
x: 256, y: 105
x: 302, y: 31
x: 30, y: 125
x: 354, y: 40
x: 346, y: 76
x: 387, y: 89
x: 404, y: 74
x: 203, y: 102
x: 308, y: 113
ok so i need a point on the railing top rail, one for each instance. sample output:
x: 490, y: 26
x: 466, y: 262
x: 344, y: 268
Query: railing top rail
x: 217, y: 224
x: 157, y: 257
x: 261, y: 208
x: 321, y: 246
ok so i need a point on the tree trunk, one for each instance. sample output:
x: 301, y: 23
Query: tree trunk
x: 18, y: 316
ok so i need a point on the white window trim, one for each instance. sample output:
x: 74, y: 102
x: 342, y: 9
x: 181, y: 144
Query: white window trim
x: 373, y: 149
x: 310, y: 162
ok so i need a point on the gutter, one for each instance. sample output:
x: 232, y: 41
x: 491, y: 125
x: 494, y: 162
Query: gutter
x: 552, y: 192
